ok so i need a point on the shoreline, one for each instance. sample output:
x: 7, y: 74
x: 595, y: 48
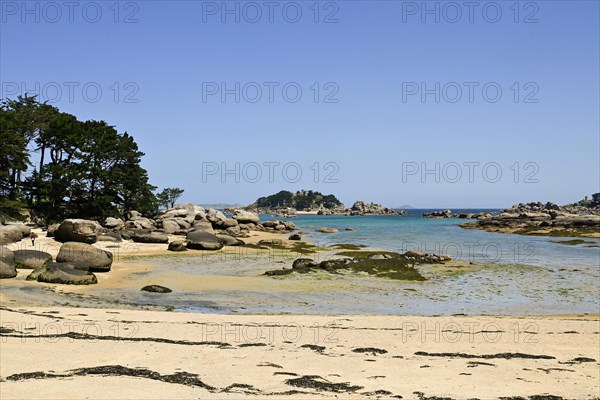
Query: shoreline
x: 224, y: 281
x: 112, y: 335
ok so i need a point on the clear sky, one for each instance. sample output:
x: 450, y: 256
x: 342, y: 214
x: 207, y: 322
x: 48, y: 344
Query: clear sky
x: 201, y: 92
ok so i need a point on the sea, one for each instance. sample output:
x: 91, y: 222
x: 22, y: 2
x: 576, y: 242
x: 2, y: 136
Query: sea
x: 521, y: 275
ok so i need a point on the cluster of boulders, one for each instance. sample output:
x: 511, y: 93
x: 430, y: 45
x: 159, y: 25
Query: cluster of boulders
x: 406, y: 260
x: 542, y: 218
x: 77, y: 259
x: 448, y: 214
x: 426, y: 258
x: 361, y: 208
x: 286, y: 212
x: 75, y: 264
x: 438, y: 214
x: 181, y: 220
x: 533, y: 208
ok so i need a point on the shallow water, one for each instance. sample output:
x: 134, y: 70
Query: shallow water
x: 443, y: 236
x: 522, y: 275
x: 515, y: 275
x: 495, y: 289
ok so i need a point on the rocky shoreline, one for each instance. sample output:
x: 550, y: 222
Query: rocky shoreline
x: 449, y: 214
x: 543, y: 219
x: 359, y: 208
x: 77, y: 261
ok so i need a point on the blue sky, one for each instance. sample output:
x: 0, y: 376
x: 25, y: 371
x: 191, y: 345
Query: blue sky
x: 367, y: 129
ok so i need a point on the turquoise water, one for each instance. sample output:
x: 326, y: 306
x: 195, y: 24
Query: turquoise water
x: 444, y: 236
x: 515, y: 275
x: 520, y: 275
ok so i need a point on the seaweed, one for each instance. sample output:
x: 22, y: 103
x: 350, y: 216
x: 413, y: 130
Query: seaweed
x: 372, y: 350
x: 318, y: 349
x: 572, y: 242
x: 347, y: 246
x: 364, y: 254
x: 506, y: 356
x: 317, y: 383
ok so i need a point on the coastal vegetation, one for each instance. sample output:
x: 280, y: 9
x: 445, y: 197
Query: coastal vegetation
x: 57, y: 166
x: 301, y: 200
x: 168, y: 197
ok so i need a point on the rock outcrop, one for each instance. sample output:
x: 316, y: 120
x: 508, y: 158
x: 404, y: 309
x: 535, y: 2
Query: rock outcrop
x: 149, y: 236
x: 78, y: 230
x: 7, y: 271
x: 7, y: 263
x: 63, y: 273
x: 156, y: 289
x: 199, y: 240
x: 85, y: 257
x: 177, y: 245
x: 546, y: 219
x: 360, y: 208
x: 31, y: 259
x: 10, y: 234
x: 244, y: 217
x: 114, y: 223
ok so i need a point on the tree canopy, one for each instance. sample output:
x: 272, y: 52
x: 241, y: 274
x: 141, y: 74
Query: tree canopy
x: 301, y: 200
x: 168, y: 196
x: 59, y: 167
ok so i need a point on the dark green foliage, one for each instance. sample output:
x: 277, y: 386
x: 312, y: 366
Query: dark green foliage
x: 278, y: 200
x: 168, y: 197
x: 589, y: 203
x: 595, y: 200
x: 301, y: 200
x: 85, y: 169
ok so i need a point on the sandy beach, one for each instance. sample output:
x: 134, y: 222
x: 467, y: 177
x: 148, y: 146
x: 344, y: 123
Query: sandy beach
x: 50, y: 353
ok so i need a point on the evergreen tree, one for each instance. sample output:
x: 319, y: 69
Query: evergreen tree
x: 86, y: 169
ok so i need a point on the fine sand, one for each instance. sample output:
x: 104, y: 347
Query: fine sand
x: 67, y: 353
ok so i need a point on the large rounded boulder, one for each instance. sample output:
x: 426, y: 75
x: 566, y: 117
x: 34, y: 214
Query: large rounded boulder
x: 78, y: 230
x: 230, y: 240
x: 199, y: 240
x: 186, y: 212
x: 147, y: 236
x: 52, y: 230
x: 226, y: 223
x: 114, y: 223
x: 10, y: 234
x: 31, y: 259
x: 244, y: 217
x: 203, y: 225
x: 86, y: 257
x: 173, y: 226
x: 111, y: 236
x: 7, y: 255
x: 7, y: 271
x: 25, y: 230
x: 7, y: 263
x: 63, y: 273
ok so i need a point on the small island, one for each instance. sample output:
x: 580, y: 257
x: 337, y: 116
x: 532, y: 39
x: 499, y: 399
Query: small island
x: 288, y: 204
